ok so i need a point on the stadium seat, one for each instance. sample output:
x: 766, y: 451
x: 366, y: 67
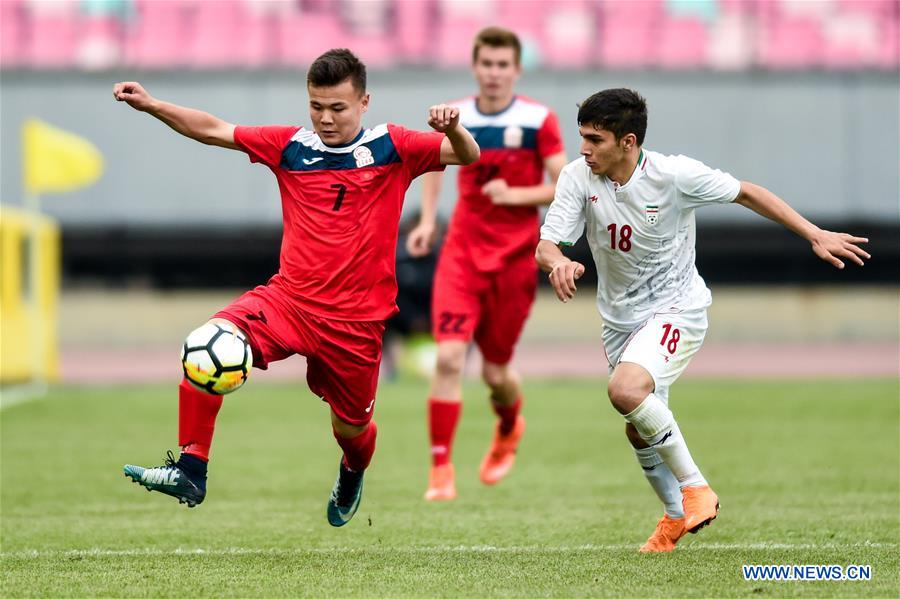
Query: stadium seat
x: 414, y: 30
x: 13, y: 24
x: 682, y: 44
x: 460, y: 22
x: 303, y: 36
x: 732, y: 42
x: 100, y: 42
x: 790, y: 43
x: 53, y: 31
x: 569, y: 35
x: 159, y: 34
x: 851, y: 40
x: 625, y: 43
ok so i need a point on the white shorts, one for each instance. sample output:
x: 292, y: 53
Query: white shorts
x: 663, y: 345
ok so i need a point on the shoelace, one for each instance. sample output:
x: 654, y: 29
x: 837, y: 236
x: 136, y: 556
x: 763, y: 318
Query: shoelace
x: 342, y: 494
x: 170, y: 460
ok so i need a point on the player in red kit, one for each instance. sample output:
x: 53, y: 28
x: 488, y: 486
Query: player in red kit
x: 342, y: 188
x: 486, y: 276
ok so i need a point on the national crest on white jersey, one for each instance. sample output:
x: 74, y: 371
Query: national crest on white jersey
x: 651, y: 212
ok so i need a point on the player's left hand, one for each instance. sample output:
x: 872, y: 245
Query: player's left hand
x: 831, y: 247
x: 443, y: 118
x: 500, y: 193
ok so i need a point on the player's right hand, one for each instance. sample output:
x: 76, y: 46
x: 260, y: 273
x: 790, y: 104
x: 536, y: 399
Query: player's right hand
x: 132, y: 93
x: 443, y: 118
x: 420, y: 239
x: 563, y: 277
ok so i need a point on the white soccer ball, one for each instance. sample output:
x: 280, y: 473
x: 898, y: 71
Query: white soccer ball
x: 216, y: 358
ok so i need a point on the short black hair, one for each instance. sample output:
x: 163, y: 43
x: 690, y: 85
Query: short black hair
x: 620, y: 110
x: 336, y: 66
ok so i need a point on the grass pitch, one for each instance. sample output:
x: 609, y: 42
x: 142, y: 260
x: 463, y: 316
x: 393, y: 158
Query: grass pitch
x: 807, y: 473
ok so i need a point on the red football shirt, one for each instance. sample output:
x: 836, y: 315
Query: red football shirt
x: 341, y: 209
x: 514, y: 143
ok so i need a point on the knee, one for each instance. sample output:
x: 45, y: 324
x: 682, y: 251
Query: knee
x: 345, y: 430
x: 495, y: 375
x: 626, y: 393
x: 450, y: 359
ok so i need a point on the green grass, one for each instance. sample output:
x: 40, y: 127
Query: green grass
x: 807, y: 473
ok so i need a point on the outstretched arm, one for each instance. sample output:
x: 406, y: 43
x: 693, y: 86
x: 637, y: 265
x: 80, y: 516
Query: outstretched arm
x: 534, y: 195
x: 563, y: 272
x: 827, y: 245
x: 195, y: 124
x: 459, y: 147
x: 421, y: 238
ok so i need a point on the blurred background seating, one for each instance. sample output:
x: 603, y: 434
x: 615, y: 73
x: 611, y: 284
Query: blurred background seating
x: 642, y: 34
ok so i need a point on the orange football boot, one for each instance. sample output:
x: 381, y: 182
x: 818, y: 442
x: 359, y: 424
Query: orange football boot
x: 668, y: 531
x: 441, y: 483
x: 700, y: 507
x: 500, y: 457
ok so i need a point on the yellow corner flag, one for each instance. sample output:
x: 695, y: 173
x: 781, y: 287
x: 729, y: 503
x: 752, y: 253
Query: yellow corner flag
x: 54, y: 160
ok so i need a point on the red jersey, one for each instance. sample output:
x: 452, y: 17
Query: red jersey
x: 514, y: 143
x: 341, y: 209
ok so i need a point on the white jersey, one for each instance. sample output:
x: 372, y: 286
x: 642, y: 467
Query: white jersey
x: 641, y: 234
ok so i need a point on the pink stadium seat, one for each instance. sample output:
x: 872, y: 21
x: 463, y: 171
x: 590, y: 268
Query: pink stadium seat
x: 888, y: 55
x: 459, y: 23
x: 790, y: 43
x: 13, y: 24
x: 850, y: 41
x: 217, y: 36
x: 625, y: 43
x: 54, y: 28
x: 732, y: 42
x: 569, y: 35
x: 159, y: 34
x: 100, y: 43
x: 648, y: 11
x: 414, y: 28
x: 681, y: 44
x: 302, y: 37
x: 377, y: 51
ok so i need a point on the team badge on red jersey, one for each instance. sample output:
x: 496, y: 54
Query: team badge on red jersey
x: 363, y: 156
x: 512, y: 137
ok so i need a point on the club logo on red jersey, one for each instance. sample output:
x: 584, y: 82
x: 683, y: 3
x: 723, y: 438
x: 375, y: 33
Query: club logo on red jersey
x: 512, y: 137
x: 652, y: 214
x: 363, y: 156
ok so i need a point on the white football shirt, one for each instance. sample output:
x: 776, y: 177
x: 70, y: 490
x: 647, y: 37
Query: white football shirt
x: 641, y: 234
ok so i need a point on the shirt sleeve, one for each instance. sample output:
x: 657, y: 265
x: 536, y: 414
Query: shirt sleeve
x: 564, y: 222
x: 549, y: 138
x: 264, y: 144
x: 699, y: 184
x: 420, y: 151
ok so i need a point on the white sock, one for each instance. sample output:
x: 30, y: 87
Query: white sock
x: 656, y: 425
x: 662, y: 480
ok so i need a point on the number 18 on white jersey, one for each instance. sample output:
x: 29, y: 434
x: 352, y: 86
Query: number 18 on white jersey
x: 641, y: 234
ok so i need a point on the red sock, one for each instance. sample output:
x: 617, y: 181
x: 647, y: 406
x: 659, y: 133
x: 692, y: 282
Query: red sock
x: 197, y: 411
x: 358, y: 450
x: 507, y: 414
x: 442, y: 418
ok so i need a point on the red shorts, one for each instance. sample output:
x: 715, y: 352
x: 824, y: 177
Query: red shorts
x: 342, y: 357
x: 490, y: 308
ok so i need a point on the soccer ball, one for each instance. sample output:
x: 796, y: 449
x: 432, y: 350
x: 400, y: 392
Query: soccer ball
x: 216, y: 358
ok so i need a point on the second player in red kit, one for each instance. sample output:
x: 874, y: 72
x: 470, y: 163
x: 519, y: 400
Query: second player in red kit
x: 342, y: 189
x: 486, y: 276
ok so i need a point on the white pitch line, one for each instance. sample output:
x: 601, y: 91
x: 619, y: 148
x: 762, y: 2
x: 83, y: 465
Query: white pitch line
x: 99, y: 552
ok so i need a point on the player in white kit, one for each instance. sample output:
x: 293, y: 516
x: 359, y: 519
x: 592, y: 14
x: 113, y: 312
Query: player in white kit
x: 638, y: 208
